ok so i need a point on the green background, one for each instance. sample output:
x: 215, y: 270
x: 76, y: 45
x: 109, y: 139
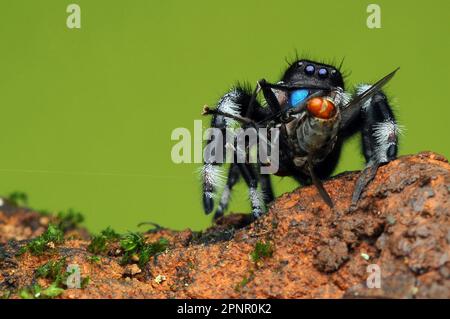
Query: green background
x: 86, y: 115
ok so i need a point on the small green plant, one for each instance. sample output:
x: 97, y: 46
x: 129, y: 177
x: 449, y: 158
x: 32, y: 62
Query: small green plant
x: 18, y: 199
x: 94, y: 259
x: 262, y: 250
x: 110, y: 234
x: 55, y: 271
x: 85, y: 282
x: 152, y: 249
x: 133, y: 244
x: 99, y: 243
x: 245, y: 281
x: 51, y: 237
x: 52, y: 291
x: 69, y: 220
x: 37, y: 292
x: 52, y: 270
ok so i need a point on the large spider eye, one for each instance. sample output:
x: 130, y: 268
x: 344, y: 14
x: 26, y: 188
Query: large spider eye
x: 323, y: 73
x: 309, y: 70
x: 298, y: 96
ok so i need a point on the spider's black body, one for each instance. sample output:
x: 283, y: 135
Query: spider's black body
x: 315, y: 116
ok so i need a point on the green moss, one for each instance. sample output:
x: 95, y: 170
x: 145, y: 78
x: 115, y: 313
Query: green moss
x: 245, y: 281
x: 52, y: 270
x: 152, y: 249
x: 262, y: 250
x: 18, y: 199
x: 30, y: 292
x: 85, y: 282
x: 51, y: 237
x: 94, y: 259
x: 110, y: 234
x: 99, y: 243
x: 37, y: 292
x: 55, y: 271
x: 69, y: 220
x: 52, y: 291
x: 133, y: 244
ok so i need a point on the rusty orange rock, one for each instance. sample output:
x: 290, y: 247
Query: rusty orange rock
x: 401, y: 225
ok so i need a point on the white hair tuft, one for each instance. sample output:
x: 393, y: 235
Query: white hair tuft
x: 212, y: 175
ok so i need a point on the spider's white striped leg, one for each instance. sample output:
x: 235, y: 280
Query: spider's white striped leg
x: 235, y: 103
x: 255, y: 196
x: 212, y: 171
x: 239, y: 102
x: 212, y: 178
x: 233, y: 178
x: 380, y: 133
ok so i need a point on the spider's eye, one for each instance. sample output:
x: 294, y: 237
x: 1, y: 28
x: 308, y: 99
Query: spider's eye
x: 323, y: 73
x: 298, y: 96
x: 309, y: 70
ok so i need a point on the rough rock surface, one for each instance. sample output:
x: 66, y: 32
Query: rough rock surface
x: 401, y: 225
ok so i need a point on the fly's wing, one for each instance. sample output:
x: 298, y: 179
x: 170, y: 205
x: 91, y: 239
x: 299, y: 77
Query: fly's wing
x: 351, y: 110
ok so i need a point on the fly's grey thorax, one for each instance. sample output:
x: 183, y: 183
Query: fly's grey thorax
x: 317, y: 136
x: 311, y: 135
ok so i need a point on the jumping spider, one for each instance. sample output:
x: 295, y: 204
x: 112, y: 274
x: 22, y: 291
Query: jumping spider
x: 315, y: 116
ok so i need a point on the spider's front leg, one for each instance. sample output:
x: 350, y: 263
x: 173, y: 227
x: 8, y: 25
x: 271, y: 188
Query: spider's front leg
x: 212, y: 171
x: 232, y: 179
x: 251, y: 177
x: 380, y: 132
x: 232, y: 111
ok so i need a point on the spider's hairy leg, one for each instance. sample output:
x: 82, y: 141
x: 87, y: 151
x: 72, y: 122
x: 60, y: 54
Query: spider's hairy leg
x: 233, y: 178
x: 212, y: 173
x: 256, y: 198
x: 266, y: 189
x: 380, y: 133
x: 236, y: 103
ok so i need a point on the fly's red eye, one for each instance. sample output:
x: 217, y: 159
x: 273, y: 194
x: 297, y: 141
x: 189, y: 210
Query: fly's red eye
x: 321, y: 108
